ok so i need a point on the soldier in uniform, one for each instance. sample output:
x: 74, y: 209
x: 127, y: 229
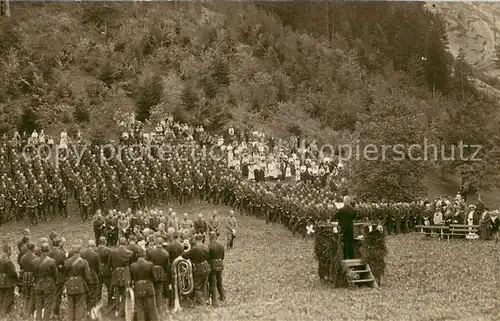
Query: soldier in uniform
x: 104, y: 270
x: 86, y: 205
x: 63, y: 202
x: 215, y: 259
x: 201, y: 227
x: 175, y: 249
x: 59, y: 256
x: 119, y: 261
x: 173, y: 222
x: 97, y: 225
x: 77, y: 278
x: 133, y: 247
x: 8, y: 281
x: 231, y: 229
x: 142, y: 275
x: 94, y: 262
x: 26, y: 264
x: 198, y: 254
x: 161, y: 261
x: 32, y: 205
x: 214, y: 224
x: 45, y: 283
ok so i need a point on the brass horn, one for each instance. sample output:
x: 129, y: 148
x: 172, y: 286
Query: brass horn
x: 182, y: 271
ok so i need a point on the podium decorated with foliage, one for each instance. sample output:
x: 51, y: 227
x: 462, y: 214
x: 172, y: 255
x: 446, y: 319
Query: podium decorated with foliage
x: 366, y: 269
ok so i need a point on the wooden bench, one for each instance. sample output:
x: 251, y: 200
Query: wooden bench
x: 463, y: 229
x: 442, y: 230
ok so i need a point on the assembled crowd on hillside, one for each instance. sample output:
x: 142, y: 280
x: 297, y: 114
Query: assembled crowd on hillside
x: 33, y: 187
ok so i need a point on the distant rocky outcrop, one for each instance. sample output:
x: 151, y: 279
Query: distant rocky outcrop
x: 475, y: 27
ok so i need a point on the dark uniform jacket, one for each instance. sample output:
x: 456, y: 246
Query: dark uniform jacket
x: 27, y: 268
x: 77, y: 275
x: 135, y: 249
x: 45, y: 273
x: 175, y: 249
x: 216, y: 256
x: 119, y: 261
x: 142, y: 275
x: 8, y: 273
x: 104, y: 254
x: 59, y: 256
x: 161, y: 261
x: 198, y: 255
x: 200, y: 226
x: 94, y: 261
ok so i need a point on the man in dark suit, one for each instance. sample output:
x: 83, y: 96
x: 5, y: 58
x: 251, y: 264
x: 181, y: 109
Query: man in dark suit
x: 77, y: 280
x: 59, y: 256
x: 144, y: 291
x: 45, y: 283
x: 161, y: 261
x: 119, y: 261
x: 94, y: 260
x: 215, y: 259
x: 346, y: 217
x: 104, y: 270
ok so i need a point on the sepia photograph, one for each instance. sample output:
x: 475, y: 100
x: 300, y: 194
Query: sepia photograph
x: 249, y: 160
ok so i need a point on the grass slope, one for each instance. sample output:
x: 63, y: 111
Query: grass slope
x: 271, y: 275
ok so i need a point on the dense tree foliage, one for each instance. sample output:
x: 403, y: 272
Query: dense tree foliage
x: 376, y: 72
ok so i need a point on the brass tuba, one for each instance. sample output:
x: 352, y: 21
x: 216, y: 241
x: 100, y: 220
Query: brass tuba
x: 182, y: 271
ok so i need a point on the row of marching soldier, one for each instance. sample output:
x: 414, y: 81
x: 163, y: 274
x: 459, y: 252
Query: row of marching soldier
x: 47, y: 273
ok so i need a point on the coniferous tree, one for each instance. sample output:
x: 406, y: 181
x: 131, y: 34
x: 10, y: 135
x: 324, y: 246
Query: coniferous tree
x: 189, y: 98
x: 221, y: 73
x: 438, y: 60
x: 150, y: 95
x: 461, y: 76
x: 29, y: 121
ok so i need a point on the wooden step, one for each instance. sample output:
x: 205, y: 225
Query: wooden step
x: 362, y: 280
x: 353, y: 262
x: 360, y: 271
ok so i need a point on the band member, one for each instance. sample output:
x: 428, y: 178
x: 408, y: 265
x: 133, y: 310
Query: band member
x: 26, y: 264
x: 161, y: 261
x: 59, y: 256
x: 8, y: 281
x: 144, y: 292
x: 198, y: 254
x: 215, y: 258
x: 133, y: 247
x: 94, y: 261
x: 77, y: 279
x: 45, y: 283
x: 175, y: 249
x: 119, y: 260
x: 346, y: 216
x: 231, y: 229
x: 104, y: 270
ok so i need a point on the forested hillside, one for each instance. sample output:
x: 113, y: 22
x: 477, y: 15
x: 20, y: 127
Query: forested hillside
x: 368, y: 72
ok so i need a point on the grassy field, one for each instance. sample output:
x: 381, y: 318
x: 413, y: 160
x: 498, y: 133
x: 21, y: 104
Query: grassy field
x: 271, y: 275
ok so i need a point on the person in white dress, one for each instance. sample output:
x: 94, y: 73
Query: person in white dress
x: 63, y: 142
